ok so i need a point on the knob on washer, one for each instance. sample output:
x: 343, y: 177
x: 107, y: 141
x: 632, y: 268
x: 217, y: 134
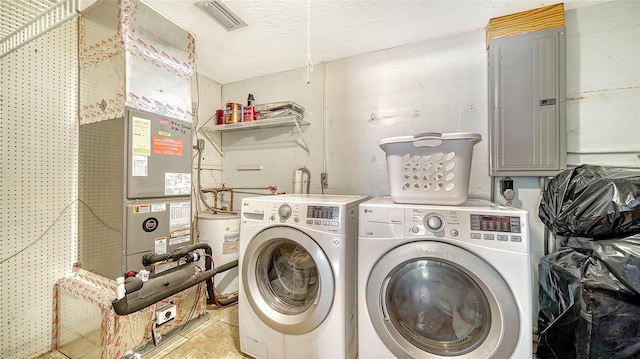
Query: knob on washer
x: 284, y: 211
x: 433, y: 222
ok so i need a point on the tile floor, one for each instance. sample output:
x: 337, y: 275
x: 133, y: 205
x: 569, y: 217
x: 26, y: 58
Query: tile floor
x: 217, y: 338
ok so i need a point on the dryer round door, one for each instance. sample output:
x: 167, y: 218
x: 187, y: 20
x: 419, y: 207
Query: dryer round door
x: 430, y: 299
x: 287, y: 280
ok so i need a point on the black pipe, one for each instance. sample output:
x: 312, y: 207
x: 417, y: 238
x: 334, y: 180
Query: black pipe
x: 159, y: 283
x: 150, y: 258
x: 132, y: 284
x: 123, y: 307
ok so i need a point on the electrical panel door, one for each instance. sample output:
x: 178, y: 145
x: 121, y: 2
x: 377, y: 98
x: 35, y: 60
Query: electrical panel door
x: 527, y: 104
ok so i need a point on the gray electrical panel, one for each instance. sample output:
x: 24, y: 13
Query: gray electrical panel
x: 527, y: 135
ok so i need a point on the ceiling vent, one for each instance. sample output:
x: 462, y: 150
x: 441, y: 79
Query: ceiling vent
x: 221, y: 14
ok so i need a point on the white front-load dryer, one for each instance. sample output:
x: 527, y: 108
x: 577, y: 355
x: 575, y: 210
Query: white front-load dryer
x: 297, y: 261
x: 443, y: 281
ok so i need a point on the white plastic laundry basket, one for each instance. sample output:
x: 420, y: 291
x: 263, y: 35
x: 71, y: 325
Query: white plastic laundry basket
x: 430, y: 168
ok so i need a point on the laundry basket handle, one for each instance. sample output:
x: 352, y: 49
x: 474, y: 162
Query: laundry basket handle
x: 473, y: 137
x: 422, y: 135
x: 427, y: 139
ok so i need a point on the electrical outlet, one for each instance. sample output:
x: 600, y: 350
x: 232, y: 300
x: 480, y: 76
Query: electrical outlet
x: 505, y: 184
x: 324, y: 179
x: 165, y: 313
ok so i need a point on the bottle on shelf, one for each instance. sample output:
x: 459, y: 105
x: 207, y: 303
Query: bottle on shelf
x: 249, y: 110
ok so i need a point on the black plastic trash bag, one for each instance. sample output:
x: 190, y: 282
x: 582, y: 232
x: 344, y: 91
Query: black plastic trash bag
x: 621, y: 257
x: 589, y: 301
x: 595, y: 202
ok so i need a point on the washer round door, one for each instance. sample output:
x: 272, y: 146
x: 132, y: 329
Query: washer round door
x: 287, y: 280
x: 430, y: 299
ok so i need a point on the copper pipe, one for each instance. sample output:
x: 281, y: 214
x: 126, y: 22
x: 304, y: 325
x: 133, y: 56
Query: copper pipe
x: 217, y: 191
x: 223, y: 189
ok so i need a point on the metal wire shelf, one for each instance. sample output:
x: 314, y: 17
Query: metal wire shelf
x: 23, y: 20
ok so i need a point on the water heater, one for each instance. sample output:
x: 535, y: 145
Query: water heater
x: 222, y: 233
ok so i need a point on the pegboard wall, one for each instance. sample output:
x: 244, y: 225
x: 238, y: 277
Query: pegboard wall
x: 207, y: 98
x: 38, y: 176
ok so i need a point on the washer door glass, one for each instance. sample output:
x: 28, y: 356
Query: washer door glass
x: 437, y: 307
x: 429, y: 299
x: 287, y: 279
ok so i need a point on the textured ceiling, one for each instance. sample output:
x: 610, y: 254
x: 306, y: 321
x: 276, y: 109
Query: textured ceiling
x: 276, y: 38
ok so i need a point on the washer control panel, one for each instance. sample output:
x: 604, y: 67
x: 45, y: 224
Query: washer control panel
x: 322, y: 217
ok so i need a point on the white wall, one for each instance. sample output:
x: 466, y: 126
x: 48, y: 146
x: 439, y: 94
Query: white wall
x: 441, y: 86
x: 352, y: 104
x: 603, y: 84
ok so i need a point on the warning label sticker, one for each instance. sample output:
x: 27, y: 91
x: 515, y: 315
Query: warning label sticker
x: 141, y: 131
x: 143, y: 208
x: 167, y: 146
x: 161, y: 245
x: 231, y: 243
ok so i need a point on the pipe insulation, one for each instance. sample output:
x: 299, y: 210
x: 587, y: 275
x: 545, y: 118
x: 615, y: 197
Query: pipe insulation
x: 143, y: 294
x: 158, y: 284
x: 151, y: 258
x: 164, y: 286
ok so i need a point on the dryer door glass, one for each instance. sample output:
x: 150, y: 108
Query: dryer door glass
x: 287, y: 277
x: 436, y: 300
x: 437, y: 307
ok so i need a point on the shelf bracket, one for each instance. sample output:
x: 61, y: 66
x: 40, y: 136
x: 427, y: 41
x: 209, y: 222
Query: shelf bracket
x: 212, y: 142
x: 304, y: 143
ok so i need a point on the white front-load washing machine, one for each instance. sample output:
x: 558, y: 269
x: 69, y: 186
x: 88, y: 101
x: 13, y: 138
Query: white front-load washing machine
x: 297, y: 260
x: 444, y: 281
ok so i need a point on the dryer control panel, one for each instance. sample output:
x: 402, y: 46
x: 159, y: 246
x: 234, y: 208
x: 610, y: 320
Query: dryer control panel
x: 488, y: 225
